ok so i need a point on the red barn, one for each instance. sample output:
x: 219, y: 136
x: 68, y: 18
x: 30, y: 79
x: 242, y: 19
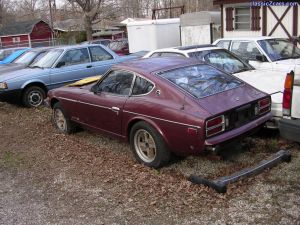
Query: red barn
x: 31, y: 33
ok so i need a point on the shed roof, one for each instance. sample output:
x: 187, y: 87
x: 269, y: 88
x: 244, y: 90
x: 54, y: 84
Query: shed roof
x: 17, y: 28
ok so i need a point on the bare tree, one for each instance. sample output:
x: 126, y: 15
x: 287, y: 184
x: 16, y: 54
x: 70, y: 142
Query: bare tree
x: 90, y: 9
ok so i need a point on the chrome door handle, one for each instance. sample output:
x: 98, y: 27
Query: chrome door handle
x: 115, y: 108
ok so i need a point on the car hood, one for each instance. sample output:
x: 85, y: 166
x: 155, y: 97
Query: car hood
x: 10, y: 67
x: 227, y: 100
x: 289, y: 62
x: 270, y: 82
x: 20, y: 73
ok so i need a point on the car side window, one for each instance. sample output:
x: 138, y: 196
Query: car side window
x: 245, y: 50
x: 116, y: 82
x: 141, y: 86
x: 99, y: 54
x: 224, y: 44
x: 74, y: 57
x: 156, y: 54
x: 170, y: 54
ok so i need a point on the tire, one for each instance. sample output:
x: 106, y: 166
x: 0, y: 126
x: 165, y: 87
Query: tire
x: 61, y: 120
x: 33, y: 96
x: 148, y: 145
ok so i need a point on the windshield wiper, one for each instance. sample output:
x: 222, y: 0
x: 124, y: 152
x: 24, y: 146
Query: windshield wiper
x: 32, y: 67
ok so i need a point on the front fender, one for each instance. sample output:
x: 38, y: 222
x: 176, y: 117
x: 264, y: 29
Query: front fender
x: 28, y: 82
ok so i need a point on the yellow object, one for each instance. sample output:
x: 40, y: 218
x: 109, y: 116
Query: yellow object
x: 85, y: 81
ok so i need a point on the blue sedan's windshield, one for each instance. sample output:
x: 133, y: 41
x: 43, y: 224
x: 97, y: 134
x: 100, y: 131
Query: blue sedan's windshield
x: 201, y: 80
x: 279, y: 49
x: 47, y: 60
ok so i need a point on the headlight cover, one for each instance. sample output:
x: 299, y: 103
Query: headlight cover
x: 3, y: 85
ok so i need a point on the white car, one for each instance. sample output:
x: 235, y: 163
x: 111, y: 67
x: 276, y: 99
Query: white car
x: 277, y: 54
x: 271, y: 82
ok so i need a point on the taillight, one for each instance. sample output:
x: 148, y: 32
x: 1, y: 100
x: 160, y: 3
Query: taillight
x: 264, y: 106
x: 287, y: 94
x: 215, y: 125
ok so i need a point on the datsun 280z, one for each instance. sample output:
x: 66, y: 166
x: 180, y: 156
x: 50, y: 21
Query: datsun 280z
x: 163, y: 106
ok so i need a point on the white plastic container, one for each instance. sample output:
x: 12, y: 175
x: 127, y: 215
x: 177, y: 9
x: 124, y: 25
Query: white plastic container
x: 153, y: 34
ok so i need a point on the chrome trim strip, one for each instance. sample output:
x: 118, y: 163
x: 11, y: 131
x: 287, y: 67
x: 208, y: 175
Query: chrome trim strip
x: 99, y: 106
x: 170, y: 121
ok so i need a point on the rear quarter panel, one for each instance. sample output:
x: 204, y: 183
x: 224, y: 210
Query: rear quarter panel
x: 171, y: 115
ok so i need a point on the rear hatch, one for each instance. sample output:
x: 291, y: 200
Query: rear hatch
x: 231, y: 101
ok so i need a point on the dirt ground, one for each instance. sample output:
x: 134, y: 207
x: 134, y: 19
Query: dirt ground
x: 51, y: 178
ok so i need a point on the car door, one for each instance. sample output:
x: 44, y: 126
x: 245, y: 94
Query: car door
x: 101, y: 59
x: 74, y: 65
x: 248, y: 51
x: 102, y: 108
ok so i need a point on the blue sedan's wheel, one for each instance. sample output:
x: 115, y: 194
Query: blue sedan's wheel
x: 148, y: 145
x: 33, y: 96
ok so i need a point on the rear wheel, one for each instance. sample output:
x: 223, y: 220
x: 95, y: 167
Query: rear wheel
x: 33, y: 96
x: 61, y: 120
x: 148, y: 146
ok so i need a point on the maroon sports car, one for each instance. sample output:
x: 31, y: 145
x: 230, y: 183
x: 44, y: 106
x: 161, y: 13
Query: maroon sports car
x: 163, y: 106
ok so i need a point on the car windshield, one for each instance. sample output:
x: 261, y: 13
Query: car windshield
x: 279, y: 49
x: 48, y: 59
x: 117, y: 45
x: 5, y: 53
x: 201, y: 80
x: 26, y: 58
x: 222, y: 59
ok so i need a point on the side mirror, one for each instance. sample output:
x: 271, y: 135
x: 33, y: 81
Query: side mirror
x: 60, y: 64
x: 261, y: 58
x: 95, y: 89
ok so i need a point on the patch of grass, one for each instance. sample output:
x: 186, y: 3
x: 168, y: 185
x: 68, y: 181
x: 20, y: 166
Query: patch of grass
x: 271, y: 145
x: 12, y: 160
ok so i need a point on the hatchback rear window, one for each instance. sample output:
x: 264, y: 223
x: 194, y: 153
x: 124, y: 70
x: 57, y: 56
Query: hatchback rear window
x: 201, y: 80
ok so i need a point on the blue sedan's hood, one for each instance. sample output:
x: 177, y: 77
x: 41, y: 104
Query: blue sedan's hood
x: 32, y: 72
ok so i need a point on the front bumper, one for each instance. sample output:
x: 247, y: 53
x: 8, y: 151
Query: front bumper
x: 290, y: 129
x: 10, y: 95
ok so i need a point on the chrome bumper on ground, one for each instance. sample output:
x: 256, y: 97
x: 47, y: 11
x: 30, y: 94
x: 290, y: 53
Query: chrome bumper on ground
x: 220, y: 184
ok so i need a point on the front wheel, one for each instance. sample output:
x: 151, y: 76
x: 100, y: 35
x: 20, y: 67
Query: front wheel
x: 148, y: 145
x: 33, y: 96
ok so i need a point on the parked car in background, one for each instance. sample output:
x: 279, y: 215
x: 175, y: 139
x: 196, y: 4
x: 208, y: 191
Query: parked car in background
x: 270, y: 82
x: 289, y: 126
x: 11, y: 54
x: 104, y: 42
x: 266, y: 53
x: 31, y: 56
x: 56, y: 68
x: 119, y: 46
x: 163, y: 105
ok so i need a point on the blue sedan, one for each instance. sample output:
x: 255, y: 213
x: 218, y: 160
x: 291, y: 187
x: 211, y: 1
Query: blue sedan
x: 58, y: 67
x: 15, y: 53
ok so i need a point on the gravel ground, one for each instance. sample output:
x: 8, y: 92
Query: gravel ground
x: 52, y: 178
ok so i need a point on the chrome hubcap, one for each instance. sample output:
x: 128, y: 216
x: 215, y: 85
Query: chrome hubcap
x: 35, y: 98
x: 145, y: 145
x: 60, y: 120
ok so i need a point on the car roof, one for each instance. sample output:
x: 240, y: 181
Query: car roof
x: 187, y: 49
x: 248, y: 38
x: 76, y: 46
x: 38, y: 49
x: 151, y: 65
